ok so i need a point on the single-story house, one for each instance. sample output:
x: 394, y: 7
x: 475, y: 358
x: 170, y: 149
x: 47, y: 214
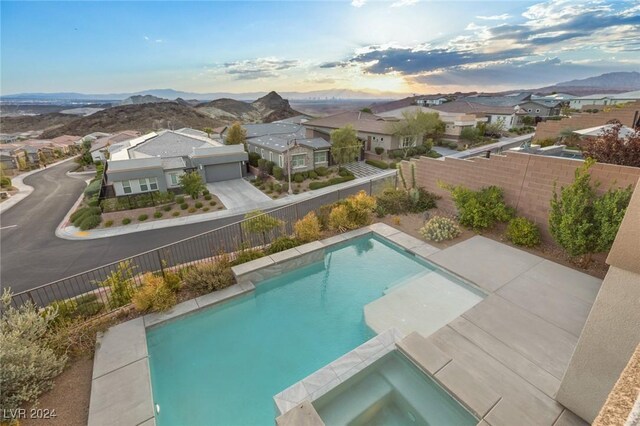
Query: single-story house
x: 374, y: 130
x: 155, y: 162
x: 523, y: 100
x: 100, y: 146
x: 604, y: 99
x: 66, y: 143
x: 12, y: 154
x: 431, y: 100
x: 509, y: 115
x: 35, y: 147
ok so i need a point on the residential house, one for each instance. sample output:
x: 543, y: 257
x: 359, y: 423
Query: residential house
x: 92, y: 137
x: 533, y: 107
x: 602, y: 100
x: 298, y: 119
x: 37, y: 148
x: 100, y: 146
x: 454, y: 122
x: 432, y: 100
x: 282, y: 142
x: 511, y: 116
x: 11, y: 157
x: 375, y: 131
x: 66, y: 143
x: 594, y: 132
x: 155, y: 162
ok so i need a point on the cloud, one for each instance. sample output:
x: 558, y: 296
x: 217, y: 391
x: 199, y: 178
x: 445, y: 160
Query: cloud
x: 158, y: 40
x: 557, y: 26
x: 358, y: 3
x: 402, y: 3
x: 502, y: 17
x: 253, y: 69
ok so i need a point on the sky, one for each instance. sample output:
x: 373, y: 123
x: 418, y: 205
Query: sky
x: 399, y: 46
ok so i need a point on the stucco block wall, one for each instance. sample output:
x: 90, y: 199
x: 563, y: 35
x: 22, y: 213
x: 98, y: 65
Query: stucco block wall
x: 612, y: 330
x: 527, y: 180
x: 552, y: 129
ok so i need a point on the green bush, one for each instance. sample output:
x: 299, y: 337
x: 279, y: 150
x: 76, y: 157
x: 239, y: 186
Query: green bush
x: 278, y: 173
x: 332, y: 181
x: 154, y: 295
x: 307, y: 229
x: 421, y: 150
x: 379, y: 150
x: 207, y: 197
x: 433, y: 154
x: 377, y: 163
x: 180, y: 199
x: 198, y: 205
x: 93, y: 202
x: 523, y: 232
x: 399, y: 201
x: 254, y: 157
x: 157, y: 215
x: 212, y: 203
x: 108, y: 224
x: 284, y: 187
x: 322, y: 171
x: 345, y: 173
x: 143, y: 217
x: 206, y: 192
x: 192, y: 210
x: 93, y: 188
x: 90, y: 222
x: 119, y: 284
x: 175, y: 214
x: 206, y: 209
x: 88, y: 305
x: 167, y: 208
x: 247, y: 256
x: 480, y: 209
x: 5, y: 182
x: 352, y: 213
x: 126, y: 221
x: 208, y: 277
x: 440, y: 228
x: 298, y: 178
x: 184, y: 206
x: 313, y: 175
x: 282, y: 244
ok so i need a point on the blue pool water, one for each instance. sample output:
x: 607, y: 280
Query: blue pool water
x: 222, y: 366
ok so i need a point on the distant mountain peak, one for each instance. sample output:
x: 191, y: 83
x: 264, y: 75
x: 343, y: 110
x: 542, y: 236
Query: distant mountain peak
x: 612, y: 80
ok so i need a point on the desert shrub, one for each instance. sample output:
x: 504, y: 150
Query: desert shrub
x: 433, y: 154
x: 254, y: 157
x: 108, y: 224
x: 308, y: 228
x: 313, y: 175
x: 480, y: 209
x: 353, y: 213
x: 332, y: 181
x: 93, y: 202
x: 198, y: 205
x: 205, y: 209
x: 281, y: 244
x: 192, y: 210
x: 180, y: 199
x: 90, y: 222
x: 285, y: 187
x: 212, y: 203
x: 167, y: 208
x: 126, y: 221
x: 207, y: 197
x: 206, y: 192
x: 278, y: 173
x: 84, y: 211
x: 184, y: 206
x: 345, y: 173
x: 377, y: 163
x: 298, y: 178
x: 172, y: 280
x: 208, y: 277
x: 523, y: 232
x: 143, y: 217
x: 440, y: 228
x: 421, y: 150
x: 247, y: 255
x: 175, y: 214
x: 379, y: 150
x: 5, y: 182
x: 157, y: 215
x: 119, y: 284
x: 29, y: 365
x: 399, y: 201
x: 66, y: 310
x: 546, y: 142
x: 87, y: 305
x: 258, y: 222
x: 322, y: 171
x: 154, y: 295
x: 393, y: 165
x: 93, y: 188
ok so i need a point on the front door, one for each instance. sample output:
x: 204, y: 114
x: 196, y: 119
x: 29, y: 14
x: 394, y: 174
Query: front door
x: 369, y: 143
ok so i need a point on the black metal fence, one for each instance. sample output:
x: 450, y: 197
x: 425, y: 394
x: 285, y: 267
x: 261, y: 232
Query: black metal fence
x: 91, y: 291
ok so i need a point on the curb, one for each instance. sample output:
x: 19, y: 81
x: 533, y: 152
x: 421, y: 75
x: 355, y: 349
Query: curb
x: 72, y: 233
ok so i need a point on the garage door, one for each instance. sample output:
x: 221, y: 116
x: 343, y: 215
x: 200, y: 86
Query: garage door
x: 219, y: 172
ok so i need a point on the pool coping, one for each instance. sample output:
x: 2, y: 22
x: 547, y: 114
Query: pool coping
x: 114, y: 401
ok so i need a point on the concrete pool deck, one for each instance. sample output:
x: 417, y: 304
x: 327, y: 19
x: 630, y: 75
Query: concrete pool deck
x: 503, y: 358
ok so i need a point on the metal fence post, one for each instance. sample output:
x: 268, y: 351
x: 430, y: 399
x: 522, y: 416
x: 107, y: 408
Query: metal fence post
x: 240, y: 233
x: 161, y: 264
x: 371, y: 187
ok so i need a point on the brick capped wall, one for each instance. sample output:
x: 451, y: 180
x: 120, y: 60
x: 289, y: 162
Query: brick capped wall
x: 552, y: 129
x: 527, y: 180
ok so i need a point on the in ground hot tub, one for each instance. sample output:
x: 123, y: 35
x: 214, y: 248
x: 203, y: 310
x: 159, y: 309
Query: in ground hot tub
x: 391, y: 391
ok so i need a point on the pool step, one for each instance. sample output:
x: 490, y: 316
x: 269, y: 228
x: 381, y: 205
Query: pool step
x: 396, y: 285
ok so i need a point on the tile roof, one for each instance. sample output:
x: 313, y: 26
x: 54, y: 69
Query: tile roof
x: 66, y: 140
x: 361, y: 121
x: 173, y: 163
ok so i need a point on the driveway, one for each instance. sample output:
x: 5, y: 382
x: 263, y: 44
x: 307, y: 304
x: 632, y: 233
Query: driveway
x: 238, y: 194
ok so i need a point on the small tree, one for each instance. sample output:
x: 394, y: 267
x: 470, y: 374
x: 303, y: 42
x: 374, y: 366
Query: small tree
x: 258, y: 222
x: 236, y: 134
x: 208, y: 131
x: 495, y: 129
x: 470, y: 134
x: 119, y: 284
x: 345, y: 146
x: 420, y: 125
x: 583, y: 223
x: 611, y: 148
x: 192, y: 184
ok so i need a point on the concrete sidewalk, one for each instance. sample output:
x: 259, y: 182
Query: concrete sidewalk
x: 25, y: 190
x: 70, y: 232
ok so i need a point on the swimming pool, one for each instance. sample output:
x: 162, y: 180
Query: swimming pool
x: 222, y: 365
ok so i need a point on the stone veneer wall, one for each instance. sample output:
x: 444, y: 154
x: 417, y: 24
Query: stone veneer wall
x: 552, y: 128
x: 527, y: 179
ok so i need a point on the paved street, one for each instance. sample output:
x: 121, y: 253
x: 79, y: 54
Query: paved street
x: 31, y: 254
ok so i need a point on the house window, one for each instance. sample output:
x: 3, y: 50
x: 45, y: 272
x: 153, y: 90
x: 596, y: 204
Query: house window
x: 529, y: 110
x: 270, y: 156
x: 126, y: 186
x: 408, y: 141
x: 153, y: 184
x: 281, y: 161
x: 256, y: 149
x: 174, y: 178
x: 538, y: 110
x: 298, y: 161
x: 261, y: 153
x: 143, y: 185
x: 320, y: 157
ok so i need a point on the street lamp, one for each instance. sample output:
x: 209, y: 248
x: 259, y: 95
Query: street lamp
x: 295, y: 143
